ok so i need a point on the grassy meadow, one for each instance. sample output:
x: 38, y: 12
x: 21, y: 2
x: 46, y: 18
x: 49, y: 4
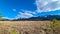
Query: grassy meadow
x: 26, y: 27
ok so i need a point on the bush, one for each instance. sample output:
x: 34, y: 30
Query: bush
x: 13, y: 32
x: 55, y: 25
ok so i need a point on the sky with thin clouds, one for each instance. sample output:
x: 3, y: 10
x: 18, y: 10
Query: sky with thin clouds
x: 14, y: 9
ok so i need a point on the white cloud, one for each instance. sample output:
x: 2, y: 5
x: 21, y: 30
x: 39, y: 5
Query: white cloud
x: 8, y: 18
x: 42, y: 6
x: 31, y: 12
x: 47, y: 5
x: 14, y: 9
x: 25, y: 14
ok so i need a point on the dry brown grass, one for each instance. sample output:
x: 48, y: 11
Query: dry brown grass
x: 24, y: 27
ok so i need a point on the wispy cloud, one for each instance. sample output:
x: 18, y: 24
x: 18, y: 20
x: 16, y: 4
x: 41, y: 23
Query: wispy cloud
x: 25, y: 14
x: 14, y: 9
x: 47, y: 5
x: 22, y: 14
x: 8, y: 18
x: 42, y: 6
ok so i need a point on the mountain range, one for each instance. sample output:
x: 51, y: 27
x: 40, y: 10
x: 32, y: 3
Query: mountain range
x: 46, y: 17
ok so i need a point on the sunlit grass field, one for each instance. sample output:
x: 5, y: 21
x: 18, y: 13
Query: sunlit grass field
x: 23, y: 27
x: 27, y: 27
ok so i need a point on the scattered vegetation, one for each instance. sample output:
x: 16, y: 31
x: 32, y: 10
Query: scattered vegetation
x: 55, y: 26
x: 0, y: 16
x: 13, y: 32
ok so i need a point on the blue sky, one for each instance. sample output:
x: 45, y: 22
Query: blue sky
x: 28, y: 8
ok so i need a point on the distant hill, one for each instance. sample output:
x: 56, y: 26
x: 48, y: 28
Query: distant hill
x: 46, y: 17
